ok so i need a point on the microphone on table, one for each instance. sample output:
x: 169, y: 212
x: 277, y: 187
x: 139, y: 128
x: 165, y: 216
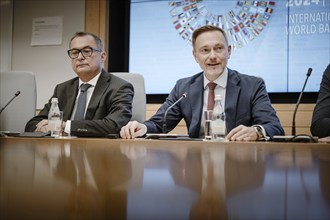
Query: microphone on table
x: 184, y: 95
x: 309, y: 72
x: 16, y: 94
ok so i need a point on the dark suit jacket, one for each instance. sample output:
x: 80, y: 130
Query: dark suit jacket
x: 247, y: 103
x: 321, y: 114
x: 109, y: 109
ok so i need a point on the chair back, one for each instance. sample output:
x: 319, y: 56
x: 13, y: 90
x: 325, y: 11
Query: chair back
x: 139, y: 99
x: 15, y: 116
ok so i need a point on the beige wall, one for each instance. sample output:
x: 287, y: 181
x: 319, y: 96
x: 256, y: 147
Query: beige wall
x: 50, y: 63
x: 6, y: 23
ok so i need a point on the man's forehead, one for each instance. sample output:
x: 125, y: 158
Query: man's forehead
x: 83, y: 41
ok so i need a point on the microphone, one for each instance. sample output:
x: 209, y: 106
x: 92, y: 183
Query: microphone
x: 16, y: 94
x: 184, y: 95
x: 309, y: 72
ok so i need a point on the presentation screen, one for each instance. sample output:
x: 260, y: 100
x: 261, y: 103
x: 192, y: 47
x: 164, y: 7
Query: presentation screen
x: 276, y: 40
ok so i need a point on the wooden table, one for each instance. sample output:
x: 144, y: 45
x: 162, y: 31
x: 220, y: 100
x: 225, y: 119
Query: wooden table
x: 85, y: 178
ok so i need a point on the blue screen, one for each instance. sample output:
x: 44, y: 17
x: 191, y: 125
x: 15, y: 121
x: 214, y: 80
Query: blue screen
x: 276, y: 40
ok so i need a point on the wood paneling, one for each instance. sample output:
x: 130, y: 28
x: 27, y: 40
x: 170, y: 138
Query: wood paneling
x: 96, y: 19
x: 303, y: 117
x: 284, y: 112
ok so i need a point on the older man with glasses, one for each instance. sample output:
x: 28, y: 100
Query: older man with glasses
x: 95, y: 103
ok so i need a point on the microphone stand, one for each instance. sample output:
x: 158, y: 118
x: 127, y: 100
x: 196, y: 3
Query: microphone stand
x: 309, y: 72
x: 184, y: 95
x: 16, y: 94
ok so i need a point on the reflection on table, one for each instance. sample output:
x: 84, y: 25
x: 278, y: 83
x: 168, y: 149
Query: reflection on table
x: 150, y: 179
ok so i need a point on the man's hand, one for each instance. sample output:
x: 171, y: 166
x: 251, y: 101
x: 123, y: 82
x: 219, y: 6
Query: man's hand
x: 325, y: 139
x: 42, y: 126
x: 242, y: 133
x: 132, y: 130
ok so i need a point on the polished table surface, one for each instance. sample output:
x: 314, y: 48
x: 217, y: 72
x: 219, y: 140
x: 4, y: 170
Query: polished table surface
x: 84, y: 178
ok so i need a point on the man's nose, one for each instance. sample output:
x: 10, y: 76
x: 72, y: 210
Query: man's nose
x: 80, y: 56
x: 212, y: 54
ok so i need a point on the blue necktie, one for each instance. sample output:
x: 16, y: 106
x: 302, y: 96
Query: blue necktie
x: 82, y: 99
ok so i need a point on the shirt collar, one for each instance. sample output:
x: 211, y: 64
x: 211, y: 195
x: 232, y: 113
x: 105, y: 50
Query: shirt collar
x: 91, y: 82
x: 220, y: 81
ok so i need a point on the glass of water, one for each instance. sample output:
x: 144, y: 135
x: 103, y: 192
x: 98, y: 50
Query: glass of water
x: 208, y: 116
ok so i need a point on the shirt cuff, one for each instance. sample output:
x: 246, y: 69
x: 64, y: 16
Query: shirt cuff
x: 67, y: 128
x: 145, y: 130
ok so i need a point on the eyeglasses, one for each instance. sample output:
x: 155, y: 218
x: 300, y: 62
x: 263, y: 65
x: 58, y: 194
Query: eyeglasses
x: 86, y: 52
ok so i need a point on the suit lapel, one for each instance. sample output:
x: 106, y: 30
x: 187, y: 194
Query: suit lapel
x: 71, y: 92
x: 100, y: 87
x: 232, y: 94
x: 196, y: 101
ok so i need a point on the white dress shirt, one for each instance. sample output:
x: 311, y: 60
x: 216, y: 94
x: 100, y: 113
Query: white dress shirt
x: 220, y: 89
x: 90, y: 91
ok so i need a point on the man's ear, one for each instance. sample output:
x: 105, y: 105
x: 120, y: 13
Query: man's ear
x: 228, y: 52
x: 103, y: 55
x: 194, y: 54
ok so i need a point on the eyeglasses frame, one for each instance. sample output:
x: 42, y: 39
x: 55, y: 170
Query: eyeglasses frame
x: 80, y: 51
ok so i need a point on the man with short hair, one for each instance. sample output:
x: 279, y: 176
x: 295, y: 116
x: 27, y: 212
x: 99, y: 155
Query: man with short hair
x: 108, y: 101
x: 249, y: 113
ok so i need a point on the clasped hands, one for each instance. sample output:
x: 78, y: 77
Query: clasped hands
x: 43, y: 126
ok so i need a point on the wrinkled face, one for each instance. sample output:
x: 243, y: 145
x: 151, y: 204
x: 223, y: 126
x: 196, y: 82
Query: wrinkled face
x: 211, y: 52
x: 87, y: 67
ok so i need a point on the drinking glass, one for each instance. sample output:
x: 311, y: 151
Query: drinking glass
x: 208, y: 116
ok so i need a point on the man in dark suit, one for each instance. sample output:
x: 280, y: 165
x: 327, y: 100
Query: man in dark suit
x: 249, y: 113
x: 321, y: 115
x: 109, y: 98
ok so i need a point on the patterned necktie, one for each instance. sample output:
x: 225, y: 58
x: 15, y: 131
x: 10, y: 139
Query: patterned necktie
x: 210, y: 99
x: 82, y: 99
